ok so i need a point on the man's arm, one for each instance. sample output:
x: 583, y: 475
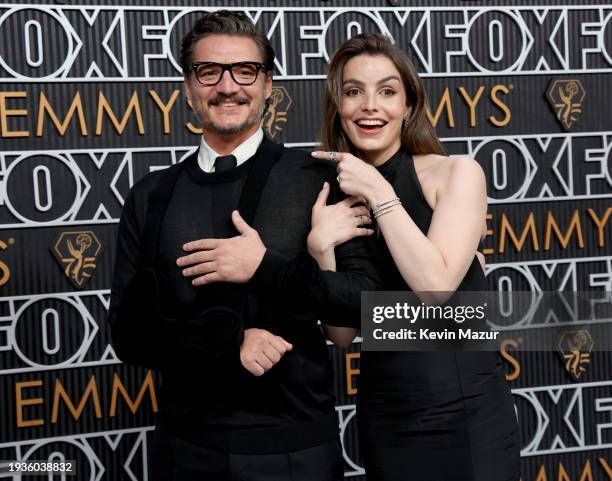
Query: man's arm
x: 334, y: 296
x: 298, y: 285
x: 128, y: 258
x: 140, y: 334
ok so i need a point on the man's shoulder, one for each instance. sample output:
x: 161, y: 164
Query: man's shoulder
x: 147, y: 184
x: 295, y: 153
x: 301, y: 159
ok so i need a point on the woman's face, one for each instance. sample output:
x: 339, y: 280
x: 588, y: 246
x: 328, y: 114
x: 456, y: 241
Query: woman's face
x: 372, y: 106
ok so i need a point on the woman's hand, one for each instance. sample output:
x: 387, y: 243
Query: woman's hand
x: 335, y: 224
x: 358, y: 178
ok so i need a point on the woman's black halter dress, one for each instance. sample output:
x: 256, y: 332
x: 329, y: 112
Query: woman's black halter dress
x: 433, y: 416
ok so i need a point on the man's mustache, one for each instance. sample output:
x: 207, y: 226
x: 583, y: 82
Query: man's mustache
x: 221, y: 99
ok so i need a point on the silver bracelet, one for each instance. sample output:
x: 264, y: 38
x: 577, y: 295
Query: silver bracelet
x: 381, y: 204
x: 382, y: 213
x: 378, y: 211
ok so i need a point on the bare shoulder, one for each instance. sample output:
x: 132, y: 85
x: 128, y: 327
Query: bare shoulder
x: 438, y: 173
x: 465, y: 169
x: 443, y: 166
x: 428, y: 162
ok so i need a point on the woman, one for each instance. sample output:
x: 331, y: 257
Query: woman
x: 440, y: 416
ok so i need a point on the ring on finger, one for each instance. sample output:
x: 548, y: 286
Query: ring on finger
x: 333, y: 155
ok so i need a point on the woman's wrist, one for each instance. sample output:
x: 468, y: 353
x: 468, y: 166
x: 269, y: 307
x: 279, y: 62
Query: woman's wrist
x: 327, y: 260
x: 381, y: 192
x: 318, y: 247
x: 320, y: 252
x: 324, y: 255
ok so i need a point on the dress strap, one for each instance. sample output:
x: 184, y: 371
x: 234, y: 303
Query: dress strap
x: 415, y: 179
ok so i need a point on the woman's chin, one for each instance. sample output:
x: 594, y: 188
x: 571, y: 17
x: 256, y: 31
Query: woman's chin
x: 371, y: 153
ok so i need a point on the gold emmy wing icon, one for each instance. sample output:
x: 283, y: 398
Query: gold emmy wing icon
x: 77, y: 253
x: 566, y: 98
x: 575, y: 348
x: 276, y: 116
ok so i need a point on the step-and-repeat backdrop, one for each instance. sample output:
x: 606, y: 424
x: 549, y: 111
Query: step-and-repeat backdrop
x: 91, y: 101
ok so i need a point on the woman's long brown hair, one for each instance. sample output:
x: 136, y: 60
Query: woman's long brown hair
x: 418, y: 137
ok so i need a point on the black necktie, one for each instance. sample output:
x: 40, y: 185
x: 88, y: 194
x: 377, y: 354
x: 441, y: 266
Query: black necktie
x: 225, y: 162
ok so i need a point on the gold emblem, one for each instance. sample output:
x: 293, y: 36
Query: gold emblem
x: 276, y: 116
x: 575, y: 348
x: 5, y: 272
x: 77, y: 253
x: 566, y: 97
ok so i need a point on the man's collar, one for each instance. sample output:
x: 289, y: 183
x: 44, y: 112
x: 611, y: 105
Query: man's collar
x: 246, y: 150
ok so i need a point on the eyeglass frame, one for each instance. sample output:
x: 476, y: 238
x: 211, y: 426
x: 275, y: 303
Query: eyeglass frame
x: 228, y: 66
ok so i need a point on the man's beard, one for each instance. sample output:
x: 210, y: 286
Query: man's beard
x: 252, y: 120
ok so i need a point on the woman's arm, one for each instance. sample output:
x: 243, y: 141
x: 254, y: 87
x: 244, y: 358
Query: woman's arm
x: 436, y: 261
x: 332, y: 225
x: 340, y: 336
x: 439, y: 260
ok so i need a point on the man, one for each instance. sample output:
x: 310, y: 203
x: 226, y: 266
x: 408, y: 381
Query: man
x: 219, y: 418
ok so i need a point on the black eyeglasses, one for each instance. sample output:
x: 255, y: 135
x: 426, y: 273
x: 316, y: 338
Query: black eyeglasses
x: 243, y: 73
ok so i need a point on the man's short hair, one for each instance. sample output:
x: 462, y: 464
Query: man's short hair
x: 223, y: 22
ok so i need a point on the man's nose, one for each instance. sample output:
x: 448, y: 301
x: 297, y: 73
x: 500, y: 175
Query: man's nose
x: 227, y: 85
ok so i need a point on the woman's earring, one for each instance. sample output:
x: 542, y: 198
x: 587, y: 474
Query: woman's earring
x: 405, y: 120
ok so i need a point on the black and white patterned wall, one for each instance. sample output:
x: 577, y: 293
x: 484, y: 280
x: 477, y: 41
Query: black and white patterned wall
x: 91, y: 101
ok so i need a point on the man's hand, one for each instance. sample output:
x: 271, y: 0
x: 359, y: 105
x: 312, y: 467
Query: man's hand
x: 228, y: 260
x: 261, y: 350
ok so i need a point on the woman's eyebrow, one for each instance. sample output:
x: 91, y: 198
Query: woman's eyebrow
x: 381, y: 81
x: 353, y: 81
x: 386, y: 79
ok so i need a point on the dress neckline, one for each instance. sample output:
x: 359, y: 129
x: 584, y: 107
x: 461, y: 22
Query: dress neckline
x: 389, y: 167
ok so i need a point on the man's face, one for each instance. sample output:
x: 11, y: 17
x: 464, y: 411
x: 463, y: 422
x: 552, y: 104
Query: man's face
x: 228, y: 109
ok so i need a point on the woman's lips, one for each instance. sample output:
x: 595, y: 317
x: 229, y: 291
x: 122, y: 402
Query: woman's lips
x: 370, y: 129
